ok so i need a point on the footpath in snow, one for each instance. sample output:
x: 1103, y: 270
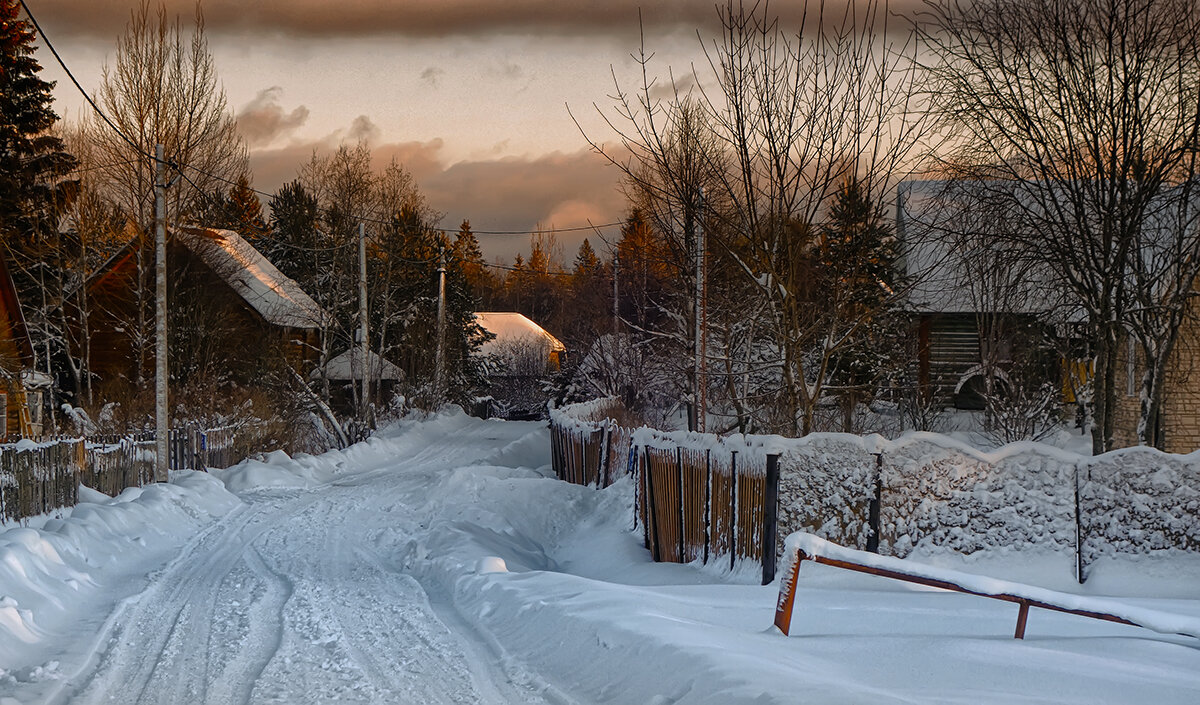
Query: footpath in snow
x: 439, y: 562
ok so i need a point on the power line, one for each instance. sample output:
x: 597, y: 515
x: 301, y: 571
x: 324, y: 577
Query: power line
x: 174, y: 165
x: 75, y: 81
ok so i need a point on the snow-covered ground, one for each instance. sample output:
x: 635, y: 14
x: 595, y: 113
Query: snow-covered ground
x: 439, y: 563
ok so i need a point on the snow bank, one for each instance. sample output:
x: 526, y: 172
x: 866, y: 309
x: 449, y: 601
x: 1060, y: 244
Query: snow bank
x: 46, y: 573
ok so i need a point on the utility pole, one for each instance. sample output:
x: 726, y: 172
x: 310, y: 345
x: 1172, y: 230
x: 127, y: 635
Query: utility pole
x: 439, y: 371
x: 362, y: 320
x: 616, y: 268
x: 162, y: 427
x: 701, y: 319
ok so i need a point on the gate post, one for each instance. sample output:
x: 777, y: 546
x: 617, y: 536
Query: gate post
x: 770, y: 518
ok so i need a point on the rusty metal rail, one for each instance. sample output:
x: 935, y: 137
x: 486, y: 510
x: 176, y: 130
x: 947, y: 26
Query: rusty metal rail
x: 787, y: 593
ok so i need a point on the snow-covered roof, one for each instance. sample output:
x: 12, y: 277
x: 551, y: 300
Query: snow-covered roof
x: 348, y: 365
x: 956, y: 259
x: 275, y: 296
x: 511, y: 327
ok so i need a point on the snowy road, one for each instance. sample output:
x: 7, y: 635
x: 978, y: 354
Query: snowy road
x: 294, y: 598
x: 439, y: 563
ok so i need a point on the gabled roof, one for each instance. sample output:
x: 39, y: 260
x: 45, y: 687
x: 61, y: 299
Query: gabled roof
x: 348, y: 366
x: 275, y: 296
x: 510, y: 327
x: 955, y: 260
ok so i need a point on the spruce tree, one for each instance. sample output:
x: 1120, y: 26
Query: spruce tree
x: 32, y: 162
x: 246, y: 211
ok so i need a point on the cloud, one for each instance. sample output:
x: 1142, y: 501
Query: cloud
x: 421, y: 18
x: 554, y: 190
x: 416, y: 18
x: 263, y: 120
x: 432, y: 76
x: 363, y: 130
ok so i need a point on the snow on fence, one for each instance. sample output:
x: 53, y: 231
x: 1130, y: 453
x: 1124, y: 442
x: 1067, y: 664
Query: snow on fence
x: 587, y: 445
x: 889, y: 497
x: 39, y: 477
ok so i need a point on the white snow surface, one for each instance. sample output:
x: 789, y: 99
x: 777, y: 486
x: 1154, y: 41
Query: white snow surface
x: 509, y: 328
x: 440, y: 562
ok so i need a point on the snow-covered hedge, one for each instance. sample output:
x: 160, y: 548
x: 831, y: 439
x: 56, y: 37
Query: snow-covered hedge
x: 1137, y: 500
x: 938, y: 493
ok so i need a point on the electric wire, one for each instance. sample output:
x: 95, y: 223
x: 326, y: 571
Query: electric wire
x: 178, y: 168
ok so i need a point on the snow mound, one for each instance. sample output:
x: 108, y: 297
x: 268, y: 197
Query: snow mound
x: 46, y: 572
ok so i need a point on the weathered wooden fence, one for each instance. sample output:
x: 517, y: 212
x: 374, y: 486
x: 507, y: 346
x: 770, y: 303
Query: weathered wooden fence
x: 698, y: 496
x: 708, y: 499
x: 39, y: 477
x: 587, y: 447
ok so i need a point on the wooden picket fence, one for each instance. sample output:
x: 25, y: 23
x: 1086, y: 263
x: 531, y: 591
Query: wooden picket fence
x: 590, y: 456
x: 39, y: 478
x: 699, y: 505
x: 692, y: 502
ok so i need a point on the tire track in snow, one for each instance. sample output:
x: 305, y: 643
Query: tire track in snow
x: 287, y: 600
x: 265, y: 634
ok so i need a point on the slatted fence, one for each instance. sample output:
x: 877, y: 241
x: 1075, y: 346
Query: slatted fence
x: 36, y: 478
x: 699, y: 497
x: 39, y: 478
x: 708, y: 499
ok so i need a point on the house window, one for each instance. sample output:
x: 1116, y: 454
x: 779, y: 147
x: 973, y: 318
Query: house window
x: 1131, y: 369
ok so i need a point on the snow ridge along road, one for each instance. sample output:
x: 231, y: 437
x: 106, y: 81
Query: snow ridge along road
x: 290, y: 600
x: 440, y: 562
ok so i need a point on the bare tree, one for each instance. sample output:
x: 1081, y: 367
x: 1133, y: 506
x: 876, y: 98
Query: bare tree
x: 791, y: 118
x: 1082, y: 117
x: 162, y: 89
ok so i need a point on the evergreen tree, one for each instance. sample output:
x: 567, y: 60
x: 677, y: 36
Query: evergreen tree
x: 587, y: 264
x: 484, y: 285
x: 32, y: 162
x: 857, y: 280
x: 295, y: 237
x: 246, y: 211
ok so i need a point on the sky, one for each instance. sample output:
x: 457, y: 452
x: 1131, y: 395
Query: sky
x: 472, y: 96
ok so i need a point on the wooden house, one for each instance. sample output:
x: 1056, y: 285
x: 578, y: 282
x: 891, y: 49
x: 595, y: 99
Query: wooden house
x: 22, y: 408
x: 230, y: 307
x: 975, y: 317
x: 518, y: 357
x: 345, y: 373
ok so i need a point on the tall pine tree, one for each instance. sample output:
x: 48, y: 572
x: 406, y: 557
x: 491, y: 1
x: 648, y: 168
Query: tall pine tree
x: 33, y: 164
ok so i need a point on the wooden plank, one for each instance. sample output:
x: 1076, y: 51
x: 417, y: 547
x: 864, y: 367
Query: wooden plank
x: 786, y: 601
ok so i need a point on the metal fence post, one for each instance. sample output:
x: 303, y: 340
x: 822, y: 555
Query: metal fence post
x: 874, y: 506
x: 770, y: 518
x: 1079, y: 538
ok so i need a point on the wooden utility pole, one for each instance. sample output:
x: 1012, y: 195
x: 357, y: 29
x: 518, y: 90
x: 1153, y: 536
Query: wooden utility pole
x: 701, y: 332
x: 616, y: 267
x: 162, y: 427
x: 364, y: 402
x: 439, y: 372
